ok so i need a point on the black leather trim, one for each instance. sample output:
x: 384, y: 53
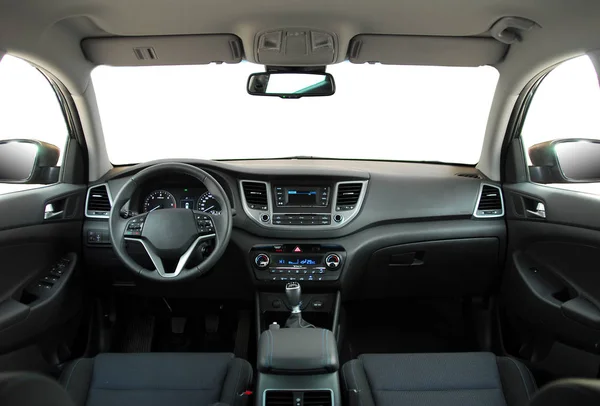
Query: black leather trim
x: 518, y: 384
x: 297, y: 351
x: 29, y: 389
x: 580, y: 392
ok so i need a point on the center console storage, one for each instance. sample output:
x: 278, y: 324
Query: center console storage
x: 298, y: 366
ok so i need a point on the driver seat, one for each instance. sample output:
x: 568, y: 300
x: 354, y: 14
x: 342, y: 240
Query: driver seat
x: 158, y: 379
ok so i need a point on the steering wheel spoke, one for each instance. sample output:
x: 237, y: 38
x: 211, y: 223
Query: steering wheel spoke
x: 134, y: 227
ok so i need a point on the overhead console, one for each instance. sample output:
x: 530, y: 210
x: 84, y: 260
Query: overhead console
x: 302, y: 205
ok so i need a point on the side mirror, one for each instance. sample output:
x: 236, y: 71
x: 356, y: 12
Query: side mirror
x: 565, y: 161
x: 28, y: 161
x: 291, y: 85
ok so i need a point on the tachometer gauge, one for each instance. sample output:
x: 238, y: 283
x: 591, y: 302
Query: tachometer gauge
x: 159, y: 199
x: 208, y: 204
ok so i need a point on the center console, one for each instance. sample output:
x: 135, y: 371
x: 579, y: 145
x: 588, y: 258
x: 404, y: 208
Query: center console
x: 298, y: 364
x: 297, y: 262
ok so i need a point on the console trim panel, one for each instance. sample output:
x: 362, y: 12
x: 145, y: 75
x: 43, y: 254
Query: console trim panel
x: 346, y: 215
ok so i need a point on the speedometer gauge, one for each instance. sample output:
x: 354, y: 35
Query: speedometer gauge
x: 208, y: 204
x: 159, y: 199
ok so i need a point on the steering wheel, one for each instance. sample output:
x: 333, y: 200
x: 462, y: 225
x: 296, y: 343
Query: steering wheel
x: 171, y: 235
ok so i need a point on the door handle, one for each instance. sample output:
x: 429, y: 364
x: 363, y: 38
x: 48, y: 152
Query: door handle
x: 50, y: 213
x: 540, y: 211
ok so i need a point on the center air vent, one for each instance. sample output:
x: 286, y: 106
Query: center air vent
x: 347, y: 196
x: 298, y: 398
x: 279, y: 398
x: 98, y: 202
x: 256, y: 195
x: 490, y: 203
x: 317, y: 398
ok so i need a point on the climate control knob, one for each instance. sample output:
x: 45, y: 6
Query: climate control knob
x: 333, y: 261
x: 262, y: 261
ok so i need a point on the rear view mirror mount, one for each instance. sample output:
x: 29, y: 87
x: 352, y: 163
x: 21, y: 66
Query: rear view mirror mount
x: 291, y: 84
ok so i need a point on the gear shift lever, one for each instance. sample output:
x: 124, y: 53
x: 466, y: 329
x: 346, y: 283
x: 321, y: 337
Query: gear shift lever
x: 293, y: 293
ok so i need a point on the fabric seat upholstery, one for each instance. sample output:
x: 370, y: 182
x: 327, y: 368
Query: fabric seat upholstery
x: 153, y: 379
x: 461, y: 379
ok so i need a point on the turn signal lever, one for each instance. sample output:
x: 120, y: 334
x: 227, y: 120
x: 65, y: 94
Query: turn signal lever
x: 294, y: 293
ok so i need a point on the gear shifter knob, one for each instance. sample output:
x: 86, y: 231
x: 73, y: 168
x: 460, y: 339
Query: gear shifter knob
x: 293, y: 292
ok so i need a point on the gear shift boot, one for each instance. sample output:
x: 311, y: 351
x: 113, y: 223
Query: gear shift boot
x: 294, y: 293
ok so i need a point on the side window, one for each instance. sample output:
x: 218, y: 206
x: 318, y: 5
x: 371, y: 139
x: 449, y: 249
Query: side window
x: 564, y: 111
x: 29, y: 109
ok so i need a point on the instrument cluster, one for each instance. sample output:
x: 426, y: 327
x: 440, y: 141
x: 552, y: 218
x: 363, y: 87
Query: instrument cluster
x: 180, y: 197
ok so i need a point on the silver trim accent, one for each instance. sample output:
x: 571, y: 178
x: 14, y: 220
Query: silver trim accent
x: 49, y: 212
x: 347, y: 215
x: 298, y: 390
x: 158, y: 265
x: 540, y: 211
x: 87, y: 198
x: 487, y: 216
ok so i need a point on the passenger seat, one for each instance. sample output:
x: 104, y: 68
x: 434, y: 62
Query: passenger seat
x: 459, y: 379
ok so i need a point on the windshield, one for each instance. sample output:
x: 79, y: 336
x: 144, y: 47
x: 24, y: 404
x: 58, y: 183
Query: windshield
x: 379, y: 112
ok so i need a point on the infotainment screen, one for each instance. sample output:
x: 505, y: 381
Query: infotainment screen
x: 302, y: 197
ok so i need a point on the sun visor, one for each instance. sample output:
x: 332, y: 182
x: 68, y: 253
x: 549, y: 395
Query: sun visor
x: 163, y: 50
x: 421, y: 50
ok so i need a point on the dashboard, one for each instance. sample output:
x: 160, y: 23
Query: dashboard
x: 397, y: 228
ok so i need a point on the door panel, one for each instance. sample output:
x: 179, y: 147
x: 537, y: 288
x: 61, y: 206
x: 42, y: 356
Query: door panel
x: 38, y: 261
x: 551, y: 287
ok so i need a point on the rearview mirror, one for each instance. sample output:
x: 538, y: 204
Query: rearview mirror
x: 291, y: 85
x: 565, y: 161
x: 28, y: 161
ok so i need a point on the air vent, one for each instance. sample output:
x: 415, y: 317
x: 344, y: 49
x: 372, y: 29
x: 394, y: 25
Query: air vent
x: 145, y: 53
x: 490, y: 202
x: 279, y: 398
x: 294, y: 398
x: 469, y: 175
x: 347, y: 196
x: 317, y: 398
x: 256, y: 195
x: 98, y: 202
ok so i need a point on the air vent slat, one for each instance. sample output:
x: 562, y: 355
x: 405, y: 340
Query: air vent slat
x: 490, y: 202
x: 279, y: 398
x: 256, y: 195
x: 308, y: 398
x: 317, y: 398
x: 98, y: 203
x: 469, y: 175
x: 348, y: 195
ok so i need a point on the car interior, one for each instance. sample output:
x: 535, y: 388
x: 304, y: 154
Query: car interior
x: 285, y: 203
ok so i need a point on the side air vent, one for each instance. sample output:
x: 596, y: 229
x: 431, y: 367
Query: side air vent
x: 469, y: 175
x: 490, y: 203
x: 317, y: 398
x: 98, y: 202
x: 256, y: 195
x: 279, y: 398
x: 347, y: 196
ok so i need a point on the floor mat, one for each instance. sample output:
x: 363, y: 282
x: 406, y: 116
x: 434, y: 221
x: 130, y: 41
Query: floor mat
x: 138, y: 334
x: 404, y: 326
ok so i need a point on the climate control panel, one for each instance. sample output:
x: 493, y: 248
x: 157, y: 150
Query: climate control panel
x: 297, y: 262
